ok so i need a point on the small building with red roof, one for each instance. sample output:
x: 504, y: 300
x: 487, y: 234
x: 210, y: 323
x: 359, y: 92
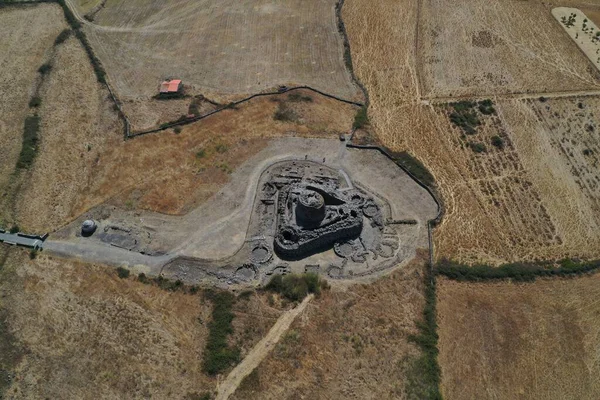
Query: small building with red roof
x: 171, y: 86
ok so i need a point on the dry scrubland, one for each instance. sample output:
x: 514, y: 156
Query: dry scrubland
x: 166, y: 172
x: 487, y: 48
x: 80, y: 331
x: 520, y: 341
x: 27, y: 37
x: 223, y: 47
x: 496, y: 207
x: 348, y: 344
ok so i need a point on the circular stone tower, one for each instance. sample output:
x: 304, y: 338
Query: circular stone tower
x: 310, y: 209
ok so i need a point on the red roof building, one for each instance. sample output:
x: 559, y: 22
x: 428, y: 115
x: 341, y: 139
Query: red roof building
x: 172, y: 86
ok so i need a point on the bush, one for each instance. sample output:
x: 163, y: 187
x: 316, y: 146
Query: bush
x: 33, y: 254
x: 143, y: 278
x: 497, y: 142
x: 218, y: 356
x: 297, y: 98
x: 200, y: 153
x: 177, y: 130
x: 486, y: 107
x: 221, y: 148
x: 35, y: 102
x: 361, y: 118
x: 122, y: 272
x: 283, y: 113
x: 477, y: 147
x: 45, y: 68
x: 296, y: 287
x: 62, y: 37
x: 30, y: 140
x: 15, y: 229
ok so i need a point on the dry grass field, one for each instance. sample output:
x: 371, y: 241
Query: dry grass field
x: 348, y: 344
x: 485, y: 48
x: 83, y: 332
x: 167, y: 172
x: 496, y: 207
x: 77, y: 125
x: 219, y: 47
x: 520, y: 341
x: 27, y: 37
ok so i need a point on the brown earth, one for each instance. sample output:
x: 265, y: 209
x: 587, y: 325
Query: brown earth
x: 27, y: 37
x: 83, y: 332
x: 348, y: 344
x: 495, y: 208
x: 519, y: 341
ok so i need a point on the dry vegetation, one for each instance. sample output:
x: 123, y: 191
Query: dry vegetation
x: 487, y: 48
x: 520, y: 341
x: 167, y: 172
x: 81, y: 331
x: 225, y: 47
x: 348, y: 344
x: 496, y: 209
x: 27, y: 37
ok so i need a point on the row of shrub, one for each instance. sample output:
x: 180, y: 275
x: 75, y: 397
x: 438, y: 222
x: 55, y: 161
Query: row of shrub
x: 516, y: 271
x: 218, y: 355
x: 30, y: 141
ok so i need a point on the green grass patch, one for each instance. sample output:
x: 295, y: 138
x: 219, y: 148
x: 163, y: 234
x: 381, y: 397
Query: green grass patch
x: 296, y: 287
x: 519, y: 271
x: 218, y: 355
x: 361, y: 118
x: 415, y: 167
x: 30, y: 141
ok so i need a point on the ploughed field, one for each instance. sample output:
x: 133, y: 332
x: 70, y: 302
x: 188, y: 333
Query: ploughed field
x: 220, y: 47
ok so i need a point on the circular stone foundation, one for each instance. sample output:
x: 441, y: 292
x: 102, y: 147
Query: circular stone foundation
x: 260, y: 254
x: 343, y: 249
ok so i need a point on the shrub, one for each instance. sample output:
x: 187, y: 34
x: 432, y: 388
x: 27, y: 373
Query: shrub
x: 477, y: 147
x: 35, y: 102
x: 283, y: 113
x: 30, y: 140
x: 122, y: 272
x: 295, y: 287
x: 200, y: 153
x: 62, y: 37
x: 361, y: 118
x: 486, y: 107
x: 497, y: 142
x: 15, y: 229
x: 33, y: 254
x: 45, y: 68
x: 218, y: 355
x: 177, y: 130
x: 297, y: 98
x: 221, y: 148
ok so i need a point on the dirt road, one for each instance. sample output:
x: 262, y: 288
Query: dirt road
x: 260, y: 351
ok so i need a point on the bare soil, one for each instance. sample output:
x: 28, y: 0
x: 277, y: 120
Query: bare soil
x: 519, y: 341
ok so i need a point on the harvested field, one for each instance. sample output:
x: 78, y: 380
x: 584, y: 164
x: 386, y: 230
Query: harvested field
x: 227, y: 48
x: 27, y: 37
x: 85, y: 333
x: 496, y: 207
x: 519, y: 341
x: 78, y: 125
x: 348, y: 344
x: 486, y: 48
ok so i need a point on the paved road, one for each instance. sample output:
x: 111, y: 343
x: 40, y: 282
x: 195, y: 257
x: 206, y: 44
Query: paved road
x: 13, y: 238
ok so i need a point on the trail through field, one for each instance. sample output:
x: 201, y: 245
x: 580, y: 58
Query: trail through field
x: 260, y: 351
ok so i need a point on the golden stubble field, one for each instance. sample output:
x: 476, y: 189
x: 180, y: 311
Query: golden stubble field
x: 496, y: 206
x: 348, y: 344
x: 27, y: 37
x: 83, y: 332
x: 479, y: 47
x: 222, y: 47
x: 520, y: 340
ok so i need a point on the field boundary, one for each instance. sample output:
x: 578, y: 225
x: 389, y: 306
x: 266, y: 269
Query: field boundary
x: 80, y: 35
x: 233, y: 104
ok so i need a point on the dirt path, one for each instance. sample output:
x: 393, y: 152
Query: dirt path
x: 260, y: 351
